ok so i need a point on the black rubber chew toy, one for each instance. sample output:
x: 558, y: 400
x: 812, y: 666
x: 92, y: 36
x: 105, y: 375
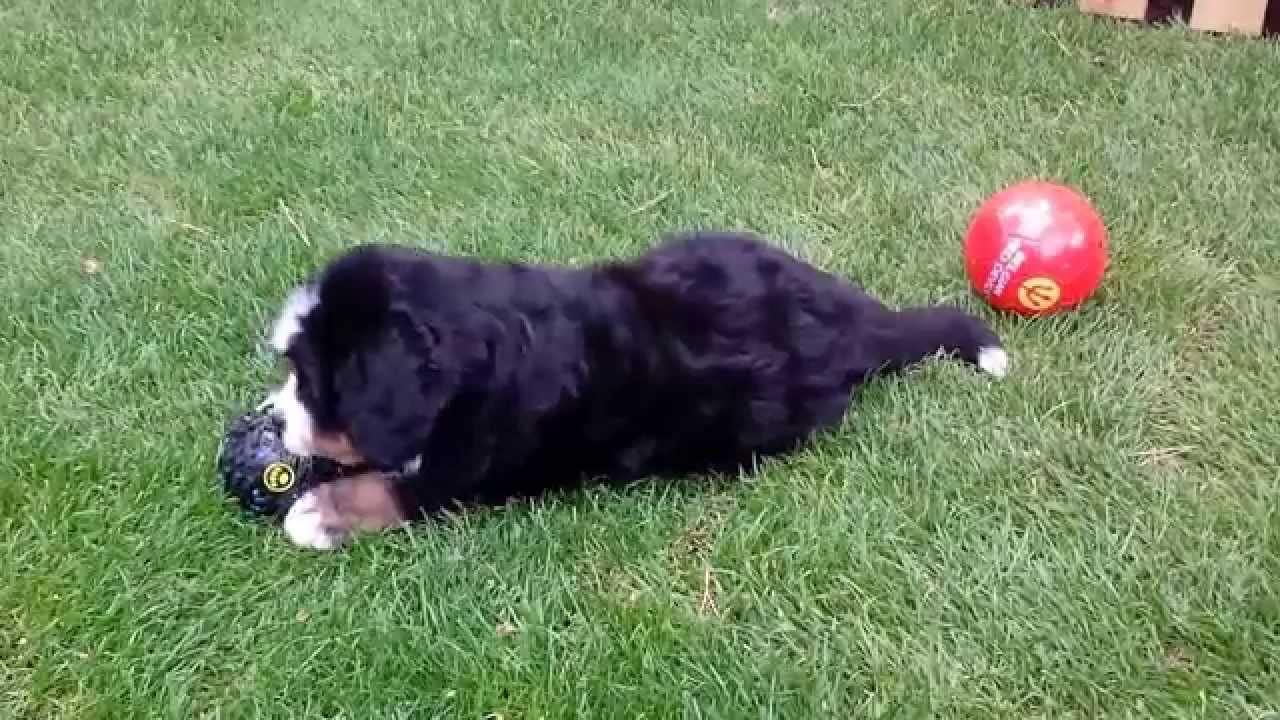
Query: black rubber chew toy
x: 258, y: 472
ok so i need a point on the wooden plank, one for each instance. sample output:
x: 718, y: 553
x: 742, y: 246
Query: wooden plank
x: 1242, y: 16
x: 1131, y: 9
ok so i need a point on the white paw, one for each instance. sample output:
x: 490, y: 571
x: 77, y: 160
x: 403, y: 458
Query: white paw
x: 994, y: 360
x: 305, y: 526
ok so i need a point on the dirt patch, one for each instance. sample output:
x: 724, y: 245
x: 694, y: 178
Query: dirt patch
x: 691, y: 556
x: 1178, y: 434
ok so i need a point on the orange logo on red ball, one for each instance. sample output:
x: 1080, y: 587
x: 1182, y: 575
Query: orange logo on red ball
x: 1038, y: 293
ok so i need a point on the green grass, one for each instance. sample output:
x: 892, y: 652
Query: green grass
x: 1095, y: 537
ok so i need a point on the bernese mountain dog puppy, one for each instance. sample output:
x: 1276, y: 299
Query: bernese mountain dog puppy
x: 462, y: 382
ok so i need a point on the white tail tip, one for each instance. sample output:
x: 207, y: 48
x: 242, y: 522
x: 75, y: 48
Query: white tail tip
x: 994, y: 361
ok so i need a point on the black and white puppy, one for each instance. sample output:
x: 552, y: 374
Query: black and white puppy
x: 473, y: 382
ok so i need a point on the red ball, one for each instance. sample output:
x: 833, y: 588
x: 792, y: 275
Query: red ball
x: 1035, y: 248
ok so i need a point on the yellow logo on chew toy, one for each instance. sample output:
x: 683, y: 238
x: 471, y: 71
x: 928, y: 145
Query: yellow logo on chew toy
x: 278, y: 477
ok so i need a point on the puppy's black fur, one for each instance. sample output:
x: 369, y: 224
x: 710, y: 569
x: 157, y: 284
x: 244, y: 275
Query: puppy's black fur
x: 508, y: 379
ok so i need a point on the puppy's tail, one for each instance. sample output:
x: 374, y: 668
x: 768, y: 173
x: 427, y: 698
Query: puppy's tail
x: 909, y: 336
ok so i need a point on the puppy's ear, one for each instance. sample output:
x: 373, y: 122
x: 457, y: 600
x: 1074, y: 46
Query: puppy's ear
x: 390, y: 392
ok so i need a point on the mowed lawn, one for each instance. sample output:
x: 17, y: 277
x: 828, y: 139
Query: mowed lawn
x: 1096, y: 536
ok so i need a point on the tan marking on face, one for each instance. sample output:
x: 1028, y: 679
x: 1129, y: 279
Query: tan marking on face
x: 336, y: 447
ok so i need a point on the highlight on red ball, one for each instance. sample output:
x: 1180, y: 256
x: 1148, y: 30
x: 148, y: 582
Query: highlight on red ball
x: 1035, y: 248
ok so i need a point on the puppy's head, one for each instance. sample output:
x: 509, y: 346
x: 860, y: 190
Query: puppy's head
x: 361, y: 368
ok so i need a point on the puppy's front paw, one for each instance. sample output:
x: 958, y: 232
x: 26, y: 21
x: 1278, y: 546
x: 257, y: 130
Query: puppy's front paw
x: 308, y: 524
